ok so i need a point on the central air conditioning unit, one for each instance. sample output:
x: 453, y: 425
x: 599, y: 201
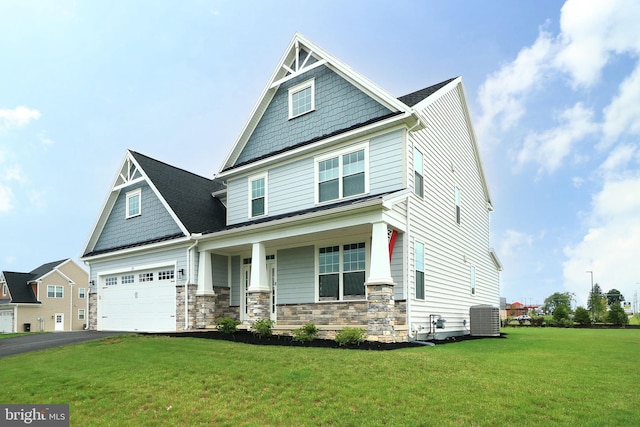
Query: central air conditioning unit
x: 485, y: 320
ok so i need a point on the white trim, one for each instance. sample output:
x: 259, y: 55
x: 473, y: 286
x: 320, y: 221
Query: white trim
x: 129, y: 195
x: 364, y: 146
x: 136, y: 269
x: 309, y: 84
x: 250, y: 180
x: 341, y: 243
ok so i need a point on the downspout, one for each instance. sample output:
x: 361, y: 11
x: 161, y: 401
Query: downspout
x: 186, y: 285
x: 407, y: 242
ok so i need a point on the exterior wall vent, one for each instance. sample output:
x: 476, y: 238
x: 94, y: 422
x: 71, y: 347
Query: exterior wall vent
x: 485, y: 321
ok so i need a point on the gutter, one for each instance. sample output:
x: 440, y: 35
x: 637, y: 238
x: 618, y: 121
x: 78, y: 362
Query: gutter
x: 186, y: 285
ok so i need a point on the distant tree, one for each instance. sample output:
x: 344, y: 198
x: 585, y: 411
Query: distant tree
x: 561, y: 313
x: 614, y: 296
x: 616, y: 315
x: 557, y: 300
x: 597, y: 303
x: 582, y: 316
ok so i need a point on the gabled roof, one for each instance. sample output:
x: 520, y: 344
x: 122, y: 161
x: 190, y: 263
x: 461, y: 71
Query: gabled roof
x: 18, y: 286
x: 46, y: 268
x: 413, y: 98
x: 294, y: 63
x: 188, y: 194
x: 187, y: 197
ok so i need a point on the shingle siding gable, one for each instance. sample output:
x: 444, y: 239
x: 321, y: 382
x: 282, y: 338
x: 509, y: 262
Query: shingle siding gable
x: 154, y: 222
x: 338, y: 105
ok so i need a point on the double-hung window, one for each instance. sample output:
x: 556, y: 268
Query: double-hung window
x: 302, y: 99
x: 418, y: 180
x: 134, y: 203
x: 342, y: 175
x: 54, y: 291
x: 342, y: 272
x: 419, y: 262
x: 258, y: 194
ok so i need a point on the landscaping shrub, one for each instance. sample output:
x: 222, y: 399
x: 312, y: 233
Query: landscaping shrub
x: 306, y: 333
x: 582, y: 316
x: 227, y: 325
x: 537, y: 321
x: 351, y: 336
x: 616, y: 315
x: 262, y: 327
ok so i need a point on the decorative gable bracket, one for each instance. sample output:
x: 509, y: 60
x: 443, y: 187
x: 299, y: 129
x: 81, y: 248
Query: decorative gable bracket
x: 129, y: 174
x: 299, y: 64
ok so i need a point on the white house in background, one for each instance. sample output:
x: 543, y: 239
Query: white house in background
x: 338, y: 204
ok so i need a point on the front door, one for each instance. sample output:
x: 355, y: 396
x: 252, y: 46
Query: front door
x: 271, y: 279
x: 246, y: 282
x: 59, y: 322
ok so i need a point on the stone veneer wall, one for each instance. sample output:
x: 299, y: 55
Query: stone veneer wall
x: 259, y: 304
x: 326, y: 313
x: 381, y: 315
x: 203, y: 309
x: 93, y: 311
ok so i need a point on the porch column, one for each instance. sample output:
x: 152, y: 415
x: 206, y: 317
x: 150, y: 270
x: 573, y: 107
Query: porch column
x: 205, y: 278
x: 259, y: 292
x: 380, y: 303
x: 380, y: 271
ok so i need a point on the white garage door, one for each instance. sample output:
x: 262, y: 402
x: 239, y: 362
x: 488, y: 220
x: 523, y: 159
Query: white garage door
x: 6, y: 321
x: 140, y: 301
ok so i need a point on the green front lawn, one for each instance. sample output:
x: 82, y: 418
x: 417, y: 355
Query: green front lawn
x: 537, y: 376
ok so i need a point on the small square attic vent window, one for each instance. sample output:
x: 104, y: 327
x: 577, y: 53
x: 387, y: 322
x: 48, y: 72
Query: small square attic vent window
x: 302, y: 99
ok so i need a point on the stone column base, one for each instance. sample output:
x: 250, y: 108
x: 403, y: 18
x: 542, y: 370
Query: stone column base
x: 380, y: 312
x: 259, y: 305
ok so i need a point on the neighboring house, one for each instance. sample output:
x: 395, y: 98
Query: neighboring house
x: 338, y: 205
x: 52, y: 297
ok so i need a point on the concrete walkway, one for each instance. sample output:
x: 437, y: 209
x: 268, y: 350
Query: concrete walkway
x: 35, y: 342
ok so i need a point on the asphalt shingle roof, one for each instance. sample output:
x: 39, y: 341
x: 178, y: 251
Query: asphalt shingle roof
x: 413, y: 98
x: 188, y: 194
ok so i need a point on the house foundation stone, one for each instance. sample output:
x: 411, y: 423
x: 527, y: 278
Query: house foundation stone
x: 381, y: 314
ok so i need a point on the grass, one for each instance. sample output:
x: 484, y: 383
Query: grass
x: 537, y: 376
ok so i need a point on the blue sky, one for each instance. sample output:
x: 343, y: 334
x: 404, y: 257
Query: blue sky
x: 553, y: 88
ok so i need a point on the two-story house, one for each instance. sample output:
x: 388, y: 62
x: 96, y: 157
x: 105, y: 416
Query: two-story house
x: 338, y: 205
x: 53, y: 297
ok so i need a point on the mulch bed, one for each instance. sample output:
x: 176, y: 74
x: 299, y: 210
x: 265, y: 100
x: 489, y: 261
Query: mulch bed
x: 248, y: 337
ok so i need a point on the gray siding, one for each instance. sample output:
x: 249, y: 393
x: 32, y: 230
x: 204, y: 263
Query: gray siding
x: 154, y: 221
x: 397, y: 267
x: 235, y: 280
x: 290, y: 186
x: 220, y: 267
x: 296, y: 279
x: 338, y: 103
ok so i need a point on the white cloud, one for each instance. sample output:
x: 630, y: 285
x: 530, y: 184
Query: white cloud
x: 502, y: 95
x: 610, y: 247
x: 548, y: 149
x: 45, y: 139
x: 6, y: 199
x: 623, y: 114
x: 591, y: 31
x: 618, y: 159
x: 513, y: 242
x: 18, y: 117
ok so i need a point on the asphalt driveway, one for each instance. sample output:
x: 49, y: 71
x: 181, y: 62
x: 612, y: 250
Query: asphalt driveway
x: 34, y: 342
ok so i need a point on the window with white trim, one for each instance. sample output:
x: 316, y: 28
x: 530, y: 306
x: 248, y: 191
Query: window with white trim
x: 419, y: 262
x: 342, y: 175
x: 418, y: 181
x: 458, y: 201
x: 110, y: 281
x: 472, y: 279
x: 302, y: 99
x: 5, y: 290
x: 134, y: 203
x: 145, y: 277
x: 81, y: 314
x: 82, y: 292
x: 342, y: 272
x: 128, y: 278
x: 55, y: 291
x: 258, y: 196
